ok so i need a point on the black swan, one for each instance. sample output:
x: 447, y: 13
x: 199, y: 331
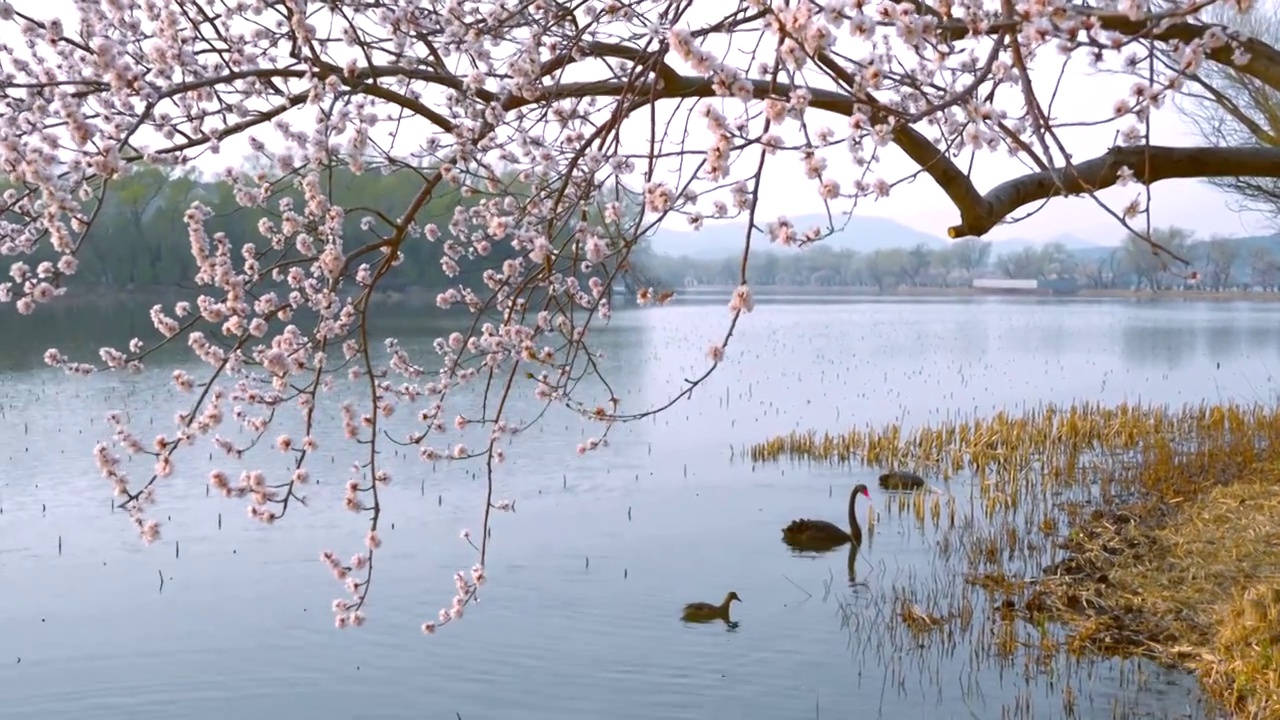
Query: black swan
x: 820, y: 534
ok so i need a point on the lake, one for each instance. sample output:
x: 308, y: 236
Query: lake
x: 580, y: 615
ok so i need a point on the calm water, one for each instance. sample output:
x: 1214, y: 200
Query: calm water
x: 580, y: 617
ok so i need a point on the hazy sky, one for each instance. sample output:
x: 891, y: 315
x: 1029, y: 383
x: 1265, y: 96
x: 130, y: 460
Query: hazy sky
x: 922, y: 205
x: 1082, y: 95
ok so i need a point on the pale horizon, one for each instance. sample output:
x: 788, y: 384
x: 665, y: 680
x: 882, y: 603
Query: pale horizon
x: 1191, y: 204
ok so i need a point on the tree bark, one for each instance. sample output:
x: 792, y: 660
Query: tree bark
x: 1149, y: 164
x: 980, y: 213
x: 1262, y: 61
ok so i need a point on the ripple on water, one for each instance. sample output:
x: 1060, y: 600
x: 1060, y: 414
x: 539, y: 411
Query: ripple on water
x: 249, y: 634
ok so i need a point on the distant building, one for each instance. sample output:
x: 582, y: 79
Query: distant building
x: 1008, y: 286
x: 1005, y: 285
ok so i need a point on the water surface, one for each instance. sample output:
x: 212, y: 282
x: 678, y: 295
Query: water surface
x: 580, y: 617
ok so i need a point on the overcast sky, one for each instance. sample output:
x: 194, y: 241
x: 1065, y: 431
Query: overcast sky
x: 1082, y: 95
x: 922, y: 205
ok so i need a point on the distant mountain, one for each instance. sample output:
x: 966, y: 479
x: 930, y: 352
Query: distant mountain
x: 1247, y: 245
x: 867, y: 233
x: 1269, y: 243
x: 863, y: 233
x: 1073, y: 243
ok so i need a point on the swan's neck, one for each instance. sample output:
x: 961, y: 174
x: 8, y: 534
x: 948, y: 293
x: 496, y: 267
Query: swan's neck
x: 853, y: 514
x: 724, y: 606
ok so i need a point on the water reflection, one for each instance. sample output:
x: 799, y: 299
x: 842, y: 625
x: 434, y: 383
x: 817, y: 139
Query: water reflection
x: 1234, y: 329
x: 1215, y: 334
x: 804, y: 544
x: 1152, y: 345
x: 604, y: 548
x: 82, y: 328
x: 1224, y: 339
x: 78, y: 331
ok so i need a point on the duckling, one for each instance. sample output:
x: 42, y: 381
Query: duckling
x: 701, y: 612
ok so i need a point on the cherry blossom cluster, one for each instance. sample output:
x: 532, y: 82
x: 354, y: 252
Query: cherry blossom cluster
x: 542, y: 116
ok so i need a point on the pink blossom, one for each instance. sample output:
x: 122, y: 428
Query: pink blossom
x: 741, y: 300
x: 150, y: 531
x: 522, y: 185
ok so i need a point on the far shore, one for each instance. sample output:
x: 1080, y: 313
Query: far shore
x: 764, y: 291
x: 417, y: 297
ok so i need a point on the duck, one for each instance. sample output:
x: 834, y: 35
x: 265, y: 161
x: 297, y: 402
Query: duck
x: 808, y: 534
x: 701, y: 612
x: 901, y: 481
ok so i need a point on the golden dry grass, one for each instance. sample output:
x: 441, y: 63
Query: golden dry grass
x: 1171, y: 519
x: 1197, y: 585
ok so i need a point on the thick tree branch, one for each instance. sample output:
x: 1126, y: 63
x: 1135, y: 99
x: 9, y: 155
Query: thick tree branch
x: 1229, y: 106
x: 1262, y: 63
x: 978, y: 213
x: 1148, y: 165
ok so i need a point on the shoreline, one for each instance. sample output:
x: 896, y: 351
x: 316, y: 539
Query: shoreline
x: 765, y: 291
x: 1183, y: 574
x: 415, y: 297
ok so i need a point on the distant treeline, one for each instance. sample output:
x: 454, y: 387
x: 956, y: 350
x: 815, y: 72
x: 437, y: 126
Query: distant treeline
x: 139, y: 237
x: 1221, y: 264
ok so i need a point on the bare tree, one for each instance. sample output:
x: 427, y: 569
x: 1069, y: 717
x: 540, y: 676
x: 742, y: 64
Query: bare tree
x: 1099, y: 273
x: 1151, y: 267
x: 1024, y: 264
x: 549, y: 118
x: 944, y: 264
x: 917, y: 262
x: 1264, y: 268
x: 972, y: 253
x: 1038, y: 263
x: 1229, y: 107
x: 887, y: 268
x: 1056, y: 261
x: 1220, y: 258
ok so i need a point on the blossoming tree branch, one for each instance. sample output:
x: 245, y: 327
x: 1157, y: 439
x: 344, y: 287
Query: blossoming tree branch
x: 565, y: 131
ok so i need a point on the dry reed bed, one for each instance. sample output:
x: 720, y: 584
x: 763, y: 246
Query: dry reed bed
x: 1146, y: 530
